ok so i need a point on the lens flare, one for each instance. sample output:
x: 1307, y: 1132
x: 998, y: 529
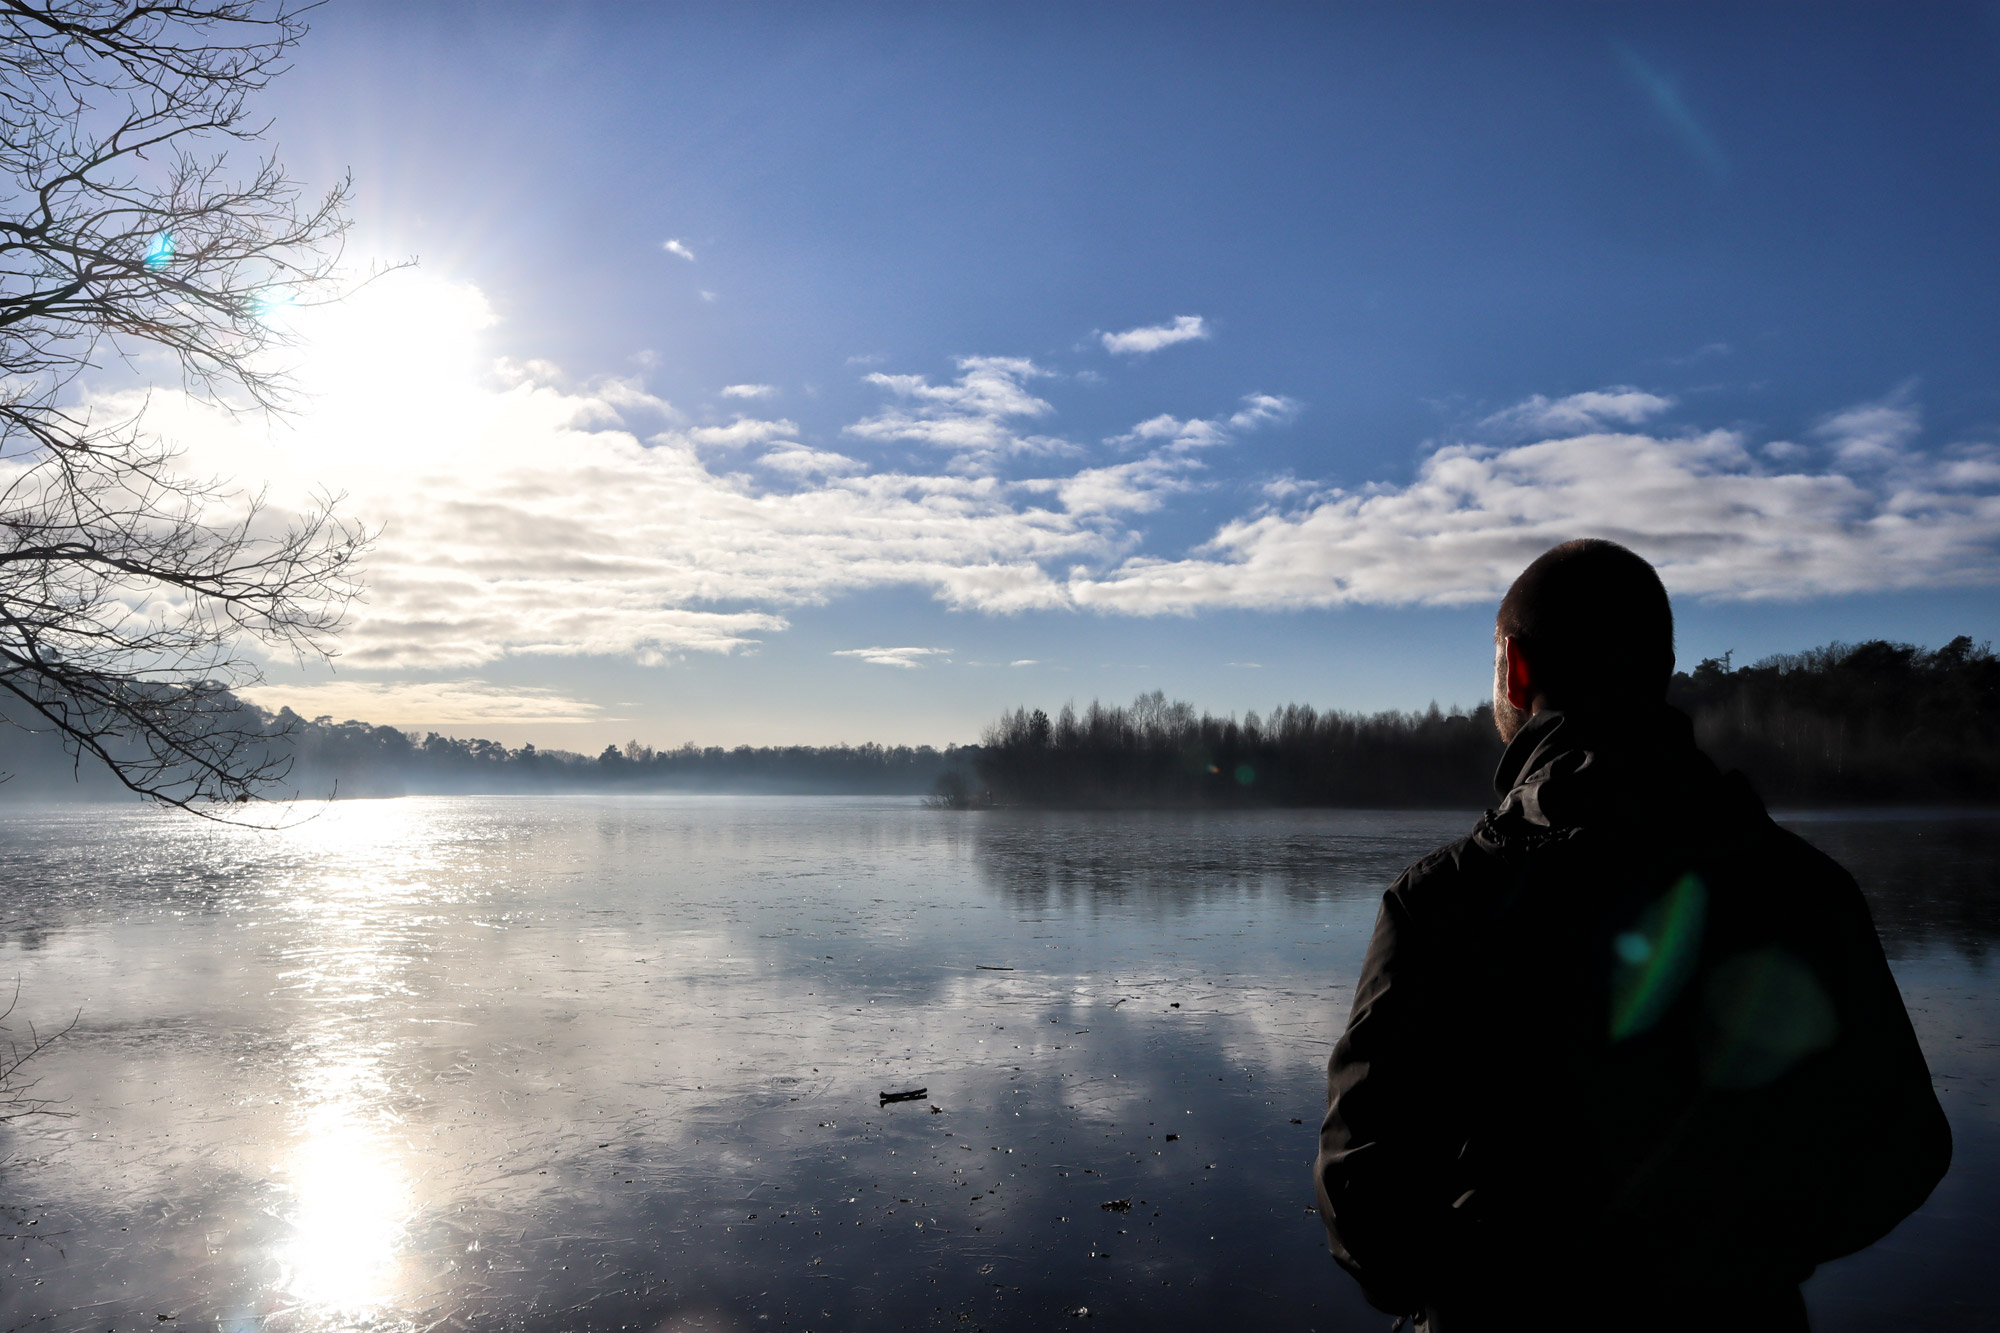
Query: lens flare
x: 1767, y: 1011
x: 1652, y: 960
x: 160, y: 253
x: 272, y: 301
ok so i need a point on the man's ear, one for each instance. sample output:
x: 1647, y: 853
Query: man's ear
x: 1520, y: 676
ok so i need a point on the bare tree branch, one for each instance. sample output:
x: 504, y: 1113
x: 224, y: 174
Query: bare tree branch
x: 130, y: 594
x: 17, y: 1096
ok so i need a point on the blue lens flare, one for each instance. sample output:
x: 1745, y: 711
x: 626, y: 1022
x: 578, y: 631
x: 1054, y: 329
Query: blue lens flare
x: 160, y: 253
x: 270, y: 301
x: 1632, y: 948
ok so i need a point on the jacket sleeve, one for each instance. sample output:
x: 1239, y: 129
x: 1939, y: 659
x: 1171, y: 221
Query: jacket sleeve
x: 1898, y: 1142
x: 1384, y: 1163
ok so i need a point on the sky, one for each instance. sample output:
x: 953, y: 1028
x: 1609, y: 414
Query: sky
x: 847, y: 372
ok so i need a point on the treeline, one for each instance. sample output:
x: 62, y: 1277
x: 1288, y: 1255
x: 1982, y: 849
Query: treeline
x: 370, y: 760
x: 358, y: 759
x: 1867, y: 723
x: 1153, y: 752
x: 1870, y: 723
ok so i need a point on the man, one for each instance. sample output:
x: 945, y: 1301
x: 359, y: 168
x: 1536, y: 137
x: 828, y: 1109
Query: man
x: 1629, y: 1056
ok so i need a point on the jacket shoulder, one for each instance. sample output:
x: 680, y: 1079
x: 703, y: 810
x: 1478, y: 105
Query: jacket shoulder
x: 1448, y: 884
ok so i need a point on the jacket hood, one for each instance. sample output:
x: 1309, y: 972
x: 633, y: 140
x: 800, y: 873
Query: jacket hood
x: 1566, y: 770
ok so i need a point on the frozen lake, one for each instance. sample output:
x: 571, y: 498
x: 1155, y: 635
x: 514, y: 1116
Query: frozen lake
x: 573, y: 1063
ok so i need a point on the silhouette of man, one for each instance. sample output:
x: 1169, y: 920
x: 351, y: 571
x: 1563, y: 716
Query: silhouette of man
x: 1629, y: 1056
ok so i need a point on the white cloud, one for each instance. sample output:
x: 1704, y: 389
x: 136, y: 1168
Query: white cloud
x: 522, y: 517
x: 1170, y: 431
x: 1141, y: 486
x: 1701, y: 353
x: 678, y: 248
x: 748, y: 390
x: 893, y: 657
x: 424, y: 703
x: 743, y: 431
x: 1025, y: 661
x: 1873, y: 434
x: 799, y: 461
x: 1264, y: 409
x: 1714, y: 520
x: 628, y: 400
x: 971, y: 416
x: 1152, y: 337
x: 1144, y: 484
x: 1622, y: 405
x: 1971, y: 466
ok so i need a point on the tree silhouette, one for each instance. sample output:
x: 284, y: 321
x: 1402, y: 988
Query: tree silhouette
x: 128, y: 589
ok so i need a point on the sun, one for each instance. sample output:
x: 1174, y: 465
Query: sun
x: 405, y: 349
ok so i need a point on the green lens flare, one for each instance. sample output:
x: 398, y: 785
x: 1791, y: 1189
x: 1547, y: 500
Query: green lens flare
x: 1652, y: 960
x: 1766, y: 1012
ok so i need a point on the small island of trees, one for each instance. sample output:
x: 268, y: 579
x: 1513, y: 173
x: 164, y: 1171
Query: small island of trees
x: 1867, y: 723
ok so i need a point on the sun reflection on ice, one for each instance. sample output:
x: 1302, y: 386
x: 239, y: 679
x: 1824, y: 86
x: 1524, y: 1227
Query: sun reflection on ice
x: 352, y: 1196
x: 352, y: 1200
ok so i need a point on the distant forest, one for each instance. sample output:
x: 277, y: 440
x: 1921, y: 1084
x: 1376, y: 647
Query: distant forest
x: 1870, y: 723
x: 357, y: 759
x: 382, y: 760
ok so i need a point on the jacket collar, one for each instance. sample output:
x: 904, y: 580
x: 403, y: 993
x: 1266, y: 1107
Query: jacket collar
x: 1567, y: 768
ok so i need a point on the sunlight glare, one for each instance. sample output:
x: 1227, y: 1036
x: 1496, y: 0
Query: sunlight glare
x: 403, y: 351
x: 352, y: 1192
x: 345, y: 1253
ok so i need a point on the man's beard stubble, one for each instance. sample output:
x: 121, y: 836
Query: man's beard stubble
x: 1507, y: 719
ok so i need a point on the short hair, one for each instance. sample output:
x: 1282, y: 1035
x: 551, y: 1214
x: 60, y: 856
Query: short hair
x: 1596, y: 625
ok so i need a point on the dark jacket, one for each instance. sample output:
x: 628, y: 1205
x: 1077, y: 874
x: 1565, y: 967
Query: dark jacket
x: 1629, y: 1046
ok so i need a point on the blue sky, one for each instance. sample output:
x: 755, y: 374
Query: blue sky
x: 794, y: 372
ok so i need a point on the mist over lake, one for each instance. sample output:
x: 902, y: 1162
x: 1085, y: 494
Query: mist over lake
x: 550, y: 1062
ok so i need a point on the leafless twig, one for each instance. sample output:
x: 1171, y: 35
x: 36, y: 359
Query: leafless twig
x: 17, y: 1097
x: 129, y: 591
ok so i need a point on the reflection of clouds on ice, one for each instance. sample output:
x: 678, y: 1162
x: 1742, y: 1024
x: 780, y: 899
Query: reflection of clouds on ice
x: 1175, y: 864
x: 463, y: 1016
x: 427, y: 1058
